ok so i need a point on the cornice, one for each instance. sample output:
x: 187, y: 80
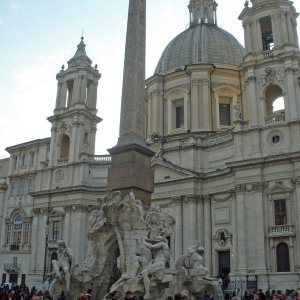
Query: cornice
x: 68, y: 190
x: 28, y: 145
x: 264, y: 160
x: 79, y: 208
x: 42, y: 211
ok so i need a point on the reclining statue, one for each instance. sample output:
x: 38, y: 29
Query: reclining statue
x: 193, y: 259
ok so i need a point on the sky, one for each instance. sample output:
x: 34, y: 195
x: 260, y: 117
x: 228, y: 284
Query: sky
x: 39, y: 36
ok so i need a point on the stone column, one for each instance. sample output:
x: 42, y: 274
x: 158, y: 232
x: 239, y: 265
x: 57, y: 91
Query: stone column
x: 66, y: 236
x: 195, y: 120
x: 82, y: 89
x: 293, y: 112
x: 178, y: 227
x: 63, y: 95
x: 53, y: 153
x: 76, y: 91
x: 3, y: 189
x: 207, y: 232
x: 58, y: 104
x: 284, y: 28
x: 259, y: 37
x: 77, y: 227
x: 157, y: 113
x: 260, y: 227
x: 252, y: 99
x: 240, y: 232
x: 189, y: 222
x: 290, y: 29
x: 278, y: 31
x: 93, y: 139
x: 91, y: 101
x: 296, y: 182
x: 206, y: 103
x: 34, y: 226
x: 248, y: 37
x: 200, y: 220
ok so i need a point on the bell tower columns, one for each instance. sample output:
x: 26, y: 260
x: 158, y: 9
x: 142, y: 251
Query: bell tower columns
x: 74, y: 122
x: 271, y: 63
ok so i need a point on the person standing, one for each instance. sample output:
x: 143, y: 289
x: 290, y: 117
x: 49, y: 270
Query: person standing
x: 89, y: 294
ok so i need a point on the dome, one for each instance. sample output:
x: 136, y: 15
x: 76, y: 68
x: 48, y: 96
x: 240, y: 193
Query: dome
x: 201, y: 43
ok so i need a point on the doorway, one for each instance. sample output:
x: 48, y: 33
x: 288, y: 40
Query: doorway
x: 13, y: 278
x: 224, y: 267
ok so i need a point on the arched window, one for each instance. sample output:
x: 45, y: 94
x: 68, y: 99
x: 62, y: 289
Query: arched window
x: 17, y: 230
x: 17, y: 236
x: 65, y: 146
x: 274, y: 100
x: 266, y: 33
x: 283, y: 258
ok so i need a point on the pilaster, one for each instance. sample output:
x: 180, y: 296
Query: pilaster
x: 189, y: 221
x: 240, y: 232
x: 207, y: 232
x: 178, y: 227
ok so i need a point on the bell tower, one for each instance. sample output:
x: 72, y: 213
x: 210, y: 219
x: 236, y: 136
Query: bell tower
x: 74, y: 123
x: 271, y: 63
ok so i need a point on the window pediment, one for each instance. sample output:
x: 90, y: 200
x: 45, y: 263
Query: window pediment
x: 176, y: 94
x: 279, y: 188
x: 227, y: 91
x: 14, y: 213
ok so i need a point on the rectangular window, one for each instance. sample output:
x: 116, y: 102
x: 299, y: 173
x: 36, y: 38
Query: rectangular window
x: 21, y: 185
x: 15, y: 262
x: 17, y: 235
x: 224, y: 111
x: 13, y: 187
x: 179, y: 116
x: 8, y: 233
x: 32, y: 158
x: 26, y: 233
x: 56, y: 230
x: 29, y: 185
x: 280, y: 212
x: 23, y: 161
x: 15, y: 162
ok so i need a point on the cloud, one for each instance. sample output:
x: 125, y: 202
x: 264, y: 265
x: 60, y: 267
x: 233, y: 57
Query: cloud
x: 15, y: 6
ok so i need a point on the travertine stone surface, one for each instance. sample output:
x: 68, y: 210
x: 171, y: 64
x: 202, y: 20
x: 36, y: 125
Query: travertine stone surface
x: 132, y: 108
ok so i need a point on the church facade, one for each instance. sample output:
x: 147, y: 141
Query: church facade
x: 224, y: 123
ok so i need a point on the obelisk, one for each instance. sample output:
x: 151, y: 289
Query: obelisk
x: 131, y: 159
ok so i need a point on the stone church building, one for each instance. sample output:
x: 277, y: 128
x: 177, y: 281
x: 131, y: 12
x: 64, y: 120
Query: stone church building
x: 224, y: 123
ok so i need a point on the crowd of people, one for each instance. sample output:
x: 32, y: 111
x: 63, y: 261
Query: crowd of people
x: 288, y: 294
x: 23, y: 292
x: 180, y: 296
